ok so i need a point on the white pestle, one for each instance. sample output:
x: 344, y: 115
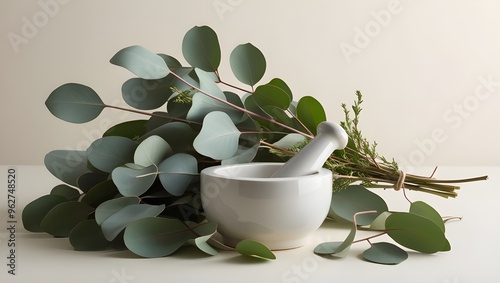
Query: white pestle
x: 311, y: 158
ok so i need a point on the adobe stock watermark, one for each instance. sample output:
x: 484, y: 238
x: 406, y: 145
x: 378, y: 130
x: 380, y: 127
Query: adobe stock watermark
x: 364, y: 35
x: 31, y: 26
x: 454, y: 117
x: 121, y: 277
x: 222, y: 7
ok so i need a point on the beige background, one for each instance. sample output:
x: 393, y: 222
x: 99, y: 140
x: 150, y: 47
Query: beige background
x: 429, y: 70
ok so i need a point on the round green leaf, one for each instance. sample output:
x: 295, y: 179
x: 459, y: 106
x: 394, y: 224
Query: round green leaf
x: 34, y: 212
x: 310, y: 112
x: 151, y: 151
x: 203, y: 104
x: 156, y: 237
x: 201, y: 49
x: 115, y: 223
x: 204, y: 231
x: 129, y: 129
x: 423, y: 209
x: 337, y: 249
x: 254, y: 249
x: 147, y: 94
x: 134, y: 181
x: 279, y: 83
x: 65, y: 191
x: 242, y: 155
x: 110, y: 207
x: 247, y: 63
x: 61, y: 219
x: 385, y: 253
x: 178, y: 135
x: 354, y: 199
x: 142, y: 62
x: 107, y: 153
x: 88, y: 236
x: 218, y: 137
x: 171, y: 62
x: 100, y: 193
x: 269, y: 95
x: 88, y: 180
x: 177, y: 172
x: 66, y: 165
x: 415, y: 232
x: 75, y: 103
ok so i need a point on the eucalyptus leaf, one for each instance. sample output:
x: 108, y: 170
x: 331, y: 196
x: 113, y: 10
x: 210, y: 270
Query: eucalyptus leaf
x: 379, y: 222
x: 171, y: 62
x: 337, y: 249
x: 142, y: 62
x: 34, y: 212
x: 177, y: 172
x: 116, y: 222
x: 279, y: 83
x: 270, y: 95
x: 385, y: 253
x: 88, y: 180
x: 247, y: 63
x: 254, y: 249
x: 100, y: 193
x: 310, y: 112
x: 178, y: 135
x: 110, y: 207
x: 107, y: 153
x: 156, y: 237
x: 290, y: 140
x: 66, y: 165
x: 218, y: 137
x: 423, y: 209
x: 242, y: 155
x: 129, y: 129
x: 75, y: 103
x: 87, y: 236
x: 134, y: 180
x: 201, y: 49
x: 152, y: 150
x: 204, y: 231
x: 61, y: 219
x: 356, y: 198
x: 147, y: 94
x: 415, y: 232
x: 65, y: 191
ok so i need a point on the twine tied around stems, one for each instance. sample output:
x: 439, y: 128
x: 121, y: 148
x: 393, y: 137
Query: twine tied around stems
x: 401, y: 180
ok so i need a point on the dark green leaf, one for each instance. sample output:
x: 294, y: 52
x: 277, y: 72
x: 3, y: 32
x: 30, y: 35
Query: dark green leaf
x: 156, y: 237
x: 66, y: 165
x: 110, y: 152
x: 178, y: 135
x: 88, y: 236
x: 34, y: 212
x: 100, y: 193
x: 171, y: 62
x: 65, y: 191
x: 142, y: 62
x: 201, y: 49
x: 423, y: 209
x: 218, y: 137
x: 279, y: 83
x: 385, y: 253
x: 88, y: 180
x: 415, y: 232
x: 129, y: 129
x: 269, y: 95
x: 247, y: 63
x: 356, y: 198
x: 254, y: 249
x: 310, y: 112
x: 177, y: 172
x: 132, y: 180
x: 61, y: 219
x: 75, y: 103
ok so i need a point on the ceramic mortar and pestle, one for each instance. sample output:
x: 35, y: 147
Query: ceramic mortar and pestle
x: 277, y: 204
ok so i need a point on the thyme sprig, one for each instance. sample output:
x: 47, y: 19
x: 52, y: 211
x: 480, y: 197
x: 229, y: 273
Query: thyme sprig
x: 360, y: 162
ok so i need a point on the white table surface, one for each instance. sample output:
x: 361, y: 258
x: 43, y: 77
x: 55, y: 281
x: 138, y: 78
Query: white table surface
x: 475, y: 244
